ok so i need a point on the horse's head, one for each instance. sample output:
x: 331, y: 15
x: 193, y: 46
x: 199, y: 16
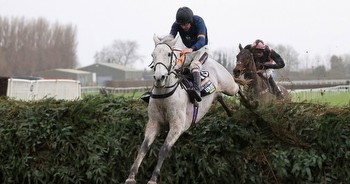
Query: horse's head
x: 163, y: 59
x: 244, y: 62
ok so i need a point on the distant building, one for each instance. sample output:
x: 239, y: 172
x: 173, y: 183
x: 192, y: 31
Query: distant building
x: 112, y: 72
x: 85, y: 77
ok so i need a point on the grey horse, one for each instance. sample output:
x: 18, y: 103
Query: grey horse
x: 170, y: 105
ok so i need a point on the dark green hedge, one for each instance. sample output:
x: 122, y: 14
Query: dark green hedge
x: 95, y: 140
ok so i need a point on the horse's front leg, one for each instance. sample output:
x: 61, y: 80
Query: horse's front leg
x: 221, y: 100
x: 175, y: 131
x: 246, y: 102
x: 152, y: 130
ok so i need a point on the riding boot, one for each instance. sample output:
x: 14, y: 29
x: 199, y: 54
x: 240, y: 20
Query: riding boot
x: 196, y: 86
x: 146, y: 96
x: 276, y: 88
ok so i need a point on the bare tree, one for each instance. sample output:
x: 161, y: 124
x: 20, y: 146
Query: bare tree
x: 289, y: 55
x: 120, y: 52
x: 320, y: 72
x: 337, y: 67
x: 28, y: 46
x: 346, y: 59
x: 225, y: 58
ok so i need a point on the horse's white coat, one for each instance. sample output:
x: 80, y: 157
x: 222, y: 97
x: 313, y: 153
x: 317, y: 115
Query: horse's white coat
x: 176, y: 110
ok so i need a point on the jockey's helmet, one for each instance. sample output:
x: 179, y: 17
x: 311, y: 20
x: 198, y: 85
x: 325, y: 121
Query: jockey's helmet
x: 184, y: 15
x: 258, y: 44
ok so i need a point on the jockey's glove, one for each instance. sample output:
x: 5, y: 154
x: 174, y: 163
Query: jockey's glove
x: 260, y: 66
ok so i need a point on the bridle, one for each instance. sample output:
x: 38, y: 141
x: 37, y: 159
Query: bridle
x: 171, y: 55
x: 172, y: 58
x: 244, y: 65
x: 171, y: 70
x: 248, y: 63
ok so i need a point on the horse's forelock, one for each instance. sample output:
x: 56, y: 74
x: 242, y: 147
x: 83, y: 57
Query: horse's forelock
x: 169, y: 40
x: 246, y: 53
x: 245, y: 58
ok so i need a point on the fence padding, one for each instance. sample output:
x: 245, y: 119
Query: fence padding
x: 22, y: 89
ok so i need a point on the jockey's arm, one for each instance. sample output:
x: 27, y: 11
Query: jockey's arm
x: 201, y: 34
x: 200, y: 42
x: 279, y: 63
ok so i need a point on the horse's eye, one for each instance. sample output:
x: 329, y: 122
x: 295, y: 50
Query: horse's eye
x: 169, y: 54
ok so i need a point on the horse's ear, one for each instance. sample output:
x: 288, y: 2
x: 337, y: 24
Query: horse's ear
x: 240, y: 47
x: 156, y: 39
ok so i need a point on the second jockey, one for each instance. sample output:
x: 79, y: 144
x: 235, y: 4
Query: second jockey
x: 267, y: 59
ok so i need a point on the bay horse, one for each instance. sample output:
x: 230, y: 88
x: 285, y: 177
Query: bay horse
x: 170, y: 104
x: 258, y: 88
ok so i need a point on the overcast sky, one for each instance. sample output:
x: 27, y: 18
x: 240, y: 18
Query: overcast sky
x: 319, y: 27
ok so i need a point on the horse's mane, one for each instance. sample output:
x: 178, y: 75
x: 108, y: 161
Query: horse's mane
x: 245, y: 51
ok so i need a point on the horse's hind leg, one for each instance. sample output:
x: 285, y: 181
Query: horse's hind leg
x: 228, y: 85
x: 152, y: 130
x: 174, y: 133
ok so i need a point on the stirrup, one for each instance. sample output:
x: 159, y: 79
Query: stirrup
x: 146, y: 96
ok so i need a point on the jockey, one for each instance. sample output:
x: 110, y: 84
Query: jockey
x: 193, y: 33
x: 267, y: 59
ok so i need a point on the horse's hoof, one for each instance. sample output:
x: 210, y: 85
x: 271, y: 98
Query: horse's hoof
x: 151, y: 182
x: 130, y: 181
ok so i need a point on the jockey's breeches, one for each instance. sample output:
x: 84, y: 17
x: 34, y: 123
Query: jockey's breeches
x: 194, y: 63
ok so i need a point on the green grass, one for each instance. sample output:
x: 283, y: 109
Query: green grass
x: 330, y: 98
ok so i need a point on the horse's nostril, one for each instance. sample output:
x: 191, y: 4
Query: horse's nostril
x: 159, y: 78
x: 236, y: 72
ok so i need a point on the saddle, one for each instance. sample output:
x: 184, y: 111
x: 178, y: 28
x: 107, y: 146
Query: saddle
x: 187, y: 81
x: 266, y: 82
x: 270, y: 87
x: 207, y: 87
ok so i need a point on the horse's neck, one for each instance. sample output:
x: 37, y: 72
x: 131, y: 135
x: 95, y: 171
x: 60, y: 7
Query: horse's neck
x: 251, y: 75
x: 171, y: 80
